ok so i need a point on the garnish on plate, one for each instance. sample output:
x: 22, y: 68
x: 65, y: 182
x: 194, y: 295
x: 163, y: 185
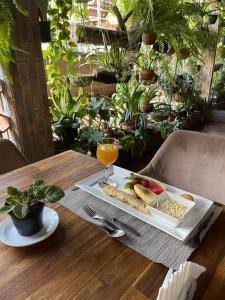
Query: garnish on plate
x: 144, y: 187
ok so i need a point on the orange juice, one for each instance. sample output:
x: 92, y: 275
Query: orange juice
x: 107, y: 153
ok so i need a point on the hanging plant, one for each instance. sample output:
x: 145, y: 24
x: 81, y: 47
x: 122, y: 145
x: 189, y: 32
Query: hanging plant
x: 6, y: 27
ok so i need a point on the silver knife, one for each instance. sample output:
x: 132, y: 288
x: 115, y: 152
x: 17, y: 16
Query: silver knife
x: 123, y: 225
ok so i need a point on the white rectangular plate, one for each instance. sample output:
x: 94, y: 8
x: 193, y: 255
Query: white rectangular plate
x: 182, y: 232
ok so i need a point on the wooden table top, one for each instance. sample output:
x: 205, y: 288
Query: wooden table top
x: 80, y: 262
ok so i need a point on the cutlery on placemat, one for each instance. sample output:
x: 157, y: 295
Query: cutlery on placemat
x: 114, y: 233
x: 75, y: 188
x: 125, y: 226
x: 96, y: 216
x: 114, y: 221
x: 195, y: 240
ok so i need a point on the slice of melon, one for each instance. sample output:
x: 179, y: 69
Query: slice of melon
x: 154, y: 185
x: 145, y: 194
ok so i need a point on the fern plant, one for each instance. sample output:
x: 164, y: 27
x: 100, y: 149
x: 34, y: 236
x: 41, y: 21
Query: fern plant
x: 6, y: 40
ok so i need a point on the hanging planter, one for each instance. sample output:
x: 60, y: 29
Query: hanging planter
x: 146, y: 107
x: 185, y: 53
x: 45, y: 31
x: 212, y: 19
x: 107, y: 77
x: 148, y: 74
x: 149, y: 38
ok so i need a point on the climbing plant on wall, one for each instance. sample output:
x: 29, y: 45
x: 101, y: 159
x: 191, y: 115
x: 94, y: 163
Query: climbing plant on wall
x: 7, y: 44
x: 61, y: 48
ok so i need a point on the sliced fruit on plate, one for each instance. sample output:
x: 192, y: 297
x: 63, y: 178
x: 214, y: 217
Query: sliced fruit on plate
x: 145, y: 194
x: 187, y: 196
x: 149, y: 183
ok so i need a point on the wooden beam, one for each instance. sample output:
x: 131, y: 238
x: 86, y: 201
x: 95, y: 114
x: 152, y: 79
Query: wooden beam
x: 27, y: 97
x: 93, y: 35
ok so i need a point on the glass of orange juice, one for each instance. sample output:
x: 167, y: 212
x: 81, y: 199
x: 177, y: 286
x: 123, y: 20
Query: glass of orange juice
x: 107, y: 154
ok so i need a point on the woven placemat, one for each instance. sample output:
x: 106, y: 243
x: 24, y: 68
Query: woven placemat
x: 153, y: 243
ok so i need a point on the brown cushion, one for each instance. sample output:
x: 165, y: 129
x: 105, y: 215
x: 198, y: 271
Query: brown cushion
x: 192, y: 161
x: 10, y: 157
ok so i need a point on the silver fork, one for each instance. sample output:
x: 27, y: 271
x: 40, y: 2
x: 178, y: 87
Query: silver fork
x: 94, y: 215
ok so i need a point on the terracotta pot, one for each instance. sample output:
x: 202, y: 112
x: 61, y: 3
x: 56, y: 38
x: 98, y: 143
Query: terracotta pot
x: 149, y: 38
x: 185, y: 53
x: 146, y: 107
x: 147, y: 74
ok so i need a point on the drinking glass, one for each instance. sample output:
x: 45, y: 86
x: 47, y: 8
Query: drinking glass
x: 107, y: 154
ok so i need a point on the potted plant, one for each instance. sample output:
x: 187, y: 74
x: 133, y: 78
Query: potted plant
x: 44, y: 24
x: 149, y: 35
x: 26, y: 207
x: 66, y: 111
x: 149, y: 94
x: 146, y: 62
x: 112, y: 65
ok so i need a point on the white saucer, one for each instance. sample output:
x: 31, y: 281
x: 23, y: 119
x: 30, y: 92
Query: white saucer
x: 10, y: 236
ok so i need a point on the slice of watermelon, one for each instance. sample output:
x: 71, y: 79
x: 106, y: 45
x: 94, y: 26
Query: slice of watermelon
x: 155, y: 186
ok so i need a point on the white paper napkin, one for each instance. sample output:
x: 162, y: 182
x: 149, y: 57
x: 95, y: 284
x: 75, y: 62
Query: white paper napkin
x: 181, y: 284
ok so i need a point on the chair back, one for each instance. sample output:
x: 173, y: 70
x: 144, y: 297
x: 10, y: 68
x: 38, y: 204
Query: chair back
x: 192, y: 161
x: 10, y: 157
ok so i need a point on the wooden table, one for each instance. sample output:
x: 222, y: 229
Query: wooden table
x: 80, y: 262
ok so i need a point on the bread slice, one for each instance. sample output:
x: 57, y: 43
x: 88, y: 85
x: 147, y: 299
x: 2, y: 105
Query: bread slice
x: 126, y: 198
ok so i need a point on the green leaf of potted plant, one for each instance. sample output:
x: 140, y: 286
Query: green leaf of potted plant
x: 26, y: 207
x: 149, y: 94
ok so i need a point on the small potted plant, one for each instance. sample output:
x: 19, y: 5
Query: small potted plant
x: 149, y: 35
x: 149, y: 94
x: 112, y: 65
x: 26, y: 207
x: 147, y: 73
